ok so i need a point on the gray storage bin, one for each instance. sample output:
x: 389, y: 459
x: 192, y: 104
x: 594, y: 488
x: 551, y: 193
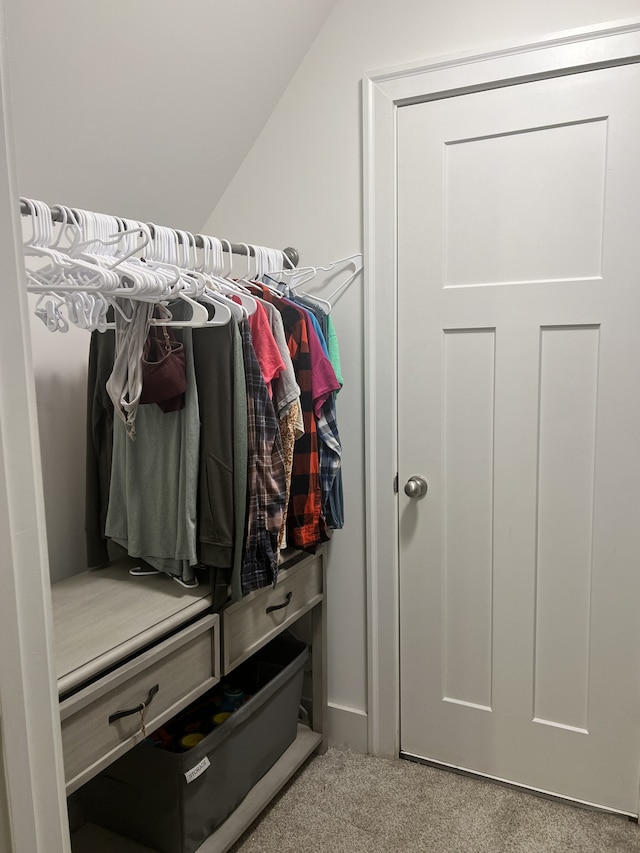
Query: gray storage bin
x: 145, y: 795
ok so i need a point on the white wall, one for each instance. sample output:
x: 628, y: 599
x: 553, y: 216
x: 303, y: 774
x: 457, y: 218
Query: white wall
x: 301, y: 185
x: 146, y: 109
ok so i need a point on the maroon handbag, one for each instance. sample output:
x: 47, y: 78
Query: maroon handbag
x: 164, y: 376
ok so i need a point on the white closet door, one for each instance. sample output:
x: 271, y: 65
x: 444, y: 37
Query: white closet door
x: 519, y: 402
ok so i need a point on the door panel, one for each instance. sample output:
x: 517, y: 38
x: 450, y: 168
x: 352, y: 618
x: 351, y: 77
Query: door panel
x: 519, y: 375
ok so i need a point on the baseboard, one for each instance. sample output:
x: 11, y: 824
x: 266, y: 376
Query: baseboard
x: 347, y: 727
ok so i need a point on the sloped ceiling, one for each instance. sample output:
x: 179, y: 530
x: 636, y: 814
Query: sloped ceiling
x: 146, y: 108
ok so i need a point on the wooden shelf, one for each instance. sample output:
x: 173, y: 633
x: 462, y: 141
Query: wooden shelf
x: 104, y: 615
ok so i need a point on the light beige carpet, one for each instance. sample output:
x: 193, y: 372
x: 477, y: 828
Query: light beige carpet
x: 343, y: 802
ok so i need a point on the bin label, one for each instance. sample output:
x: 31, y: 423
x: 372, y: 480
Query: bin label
x: 198, y: 770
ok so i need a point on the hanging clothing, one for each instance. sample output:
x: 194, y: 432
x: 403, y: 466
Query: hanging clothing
x: 240, y: 471
x: 286, y: 400
x: 266, y: 480
x: 324, y: 386
x: 286, y: 390
x: 240, y: 461
x: 265, y: 346
x: 288, y: 425
x: 154, y: 482
x: 333, y: 349
x: 99, y: 447
x: 214, y: 372
x: 323, y: 378
x: 306, y: 527
x: 330, y: 466
x: 334, y: 506
x: 327, y: 326
x: 124, y: 385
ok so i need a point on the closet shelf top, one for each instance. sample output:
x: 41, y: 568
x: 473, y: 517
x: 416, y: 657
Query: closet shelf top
x: 104, y: 615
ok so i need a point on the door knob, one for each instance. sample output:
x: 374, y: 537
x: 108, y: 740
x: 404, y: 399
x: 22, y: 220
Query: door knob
x: 415, y: 487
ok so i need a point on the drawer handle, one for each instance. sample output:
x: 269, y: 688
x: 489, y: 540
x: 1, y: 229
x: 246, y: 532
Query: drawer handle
x: 279, y: 606
x: 137, y: 710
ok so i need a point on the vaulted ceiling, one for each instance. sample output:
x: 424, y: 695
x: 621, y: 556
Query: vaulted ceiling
x: 146, y: 108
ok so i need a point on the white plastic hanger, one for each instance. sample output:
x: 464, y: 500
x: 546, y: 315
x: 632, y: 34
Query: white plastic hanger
x: 273, y: 260
x: 231, y: 286
x: 288, y: 268
x: 199, y: 316
x: 49, y: 310
x: 193, y: 277
x: 280, y: 262
x: 133, y: 279
x: 301, y: 276
x: 211, y: 294
x: 323, y: 303
x: 357, y: 262
x: 141, y: 279
x: 97, y: 234
x: 162, y: 260
x: 173, y: 282
x: 219, y: 285
x: 65, y: 272
x: 79, y: 284
x: 267, y: 261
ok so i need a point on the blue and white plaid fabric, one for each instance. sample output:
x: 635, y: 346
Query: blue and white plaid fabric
x: 329, y: 450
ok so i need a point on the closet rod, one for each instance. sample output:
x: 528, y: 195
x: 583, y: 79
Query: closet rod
x: 236, y: 248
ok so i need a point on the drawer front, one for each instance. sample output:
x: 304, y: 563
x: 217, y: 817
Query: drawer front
x: 181, y: 668
x: 252, y: 622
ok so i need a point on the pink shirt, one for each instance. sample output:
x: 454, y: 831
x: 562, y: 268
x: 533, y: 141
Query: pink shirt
x: 323, y: 376
x: 269, y: 358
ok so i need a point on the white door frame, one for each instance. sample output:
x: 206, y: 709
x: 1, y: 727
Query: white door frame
x: 31, y: 744
x: 383, y: 93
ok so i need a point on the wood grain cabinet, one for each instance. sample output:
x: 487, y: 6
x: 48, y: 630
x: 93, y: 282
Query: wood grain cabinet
x: 133, y: 651
x: 262, y: 615
x: 115, y: 712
